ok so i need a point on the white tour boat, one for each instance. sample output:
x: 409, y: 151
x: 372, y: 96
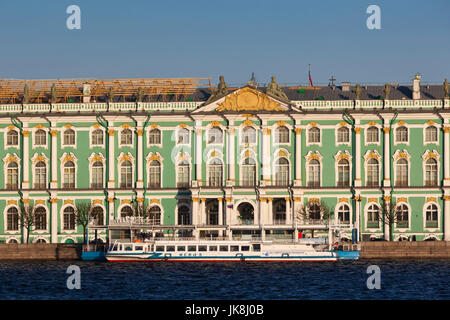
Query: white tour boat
x: 217, y: 251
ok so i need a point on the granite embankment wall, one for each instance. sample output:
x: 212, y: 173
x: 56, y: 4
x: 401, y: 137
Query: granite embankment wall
x: 405, y: 250
x: 40, y: 251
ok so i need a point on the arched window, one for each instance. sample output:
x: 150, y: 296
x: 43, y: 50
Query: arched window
x: 372, y: 135
x: 401, y: 134
x: 343, y: 214
x: 183, y: 174
x: 155, y: 215
x: 248, y: 172
x: 343, y: 179
x: 343, y: 135
x: 431, y: 216
x: 431, y: 134
x: 69, y: 137
x: 69, y: 218
x: 246, y: 213
x: 215, y: 136
x: 401, y: 175
x: 314, y: 173
x: 248, y: 135
x: 154, y: 179
x: 126, y: 211
x: 126, y: 174
x: 282, y: 172
x: 282, y: 135
x: 126, y: 137
x: 314, y: 212
x: 212, y: 212
x: 40, y: 138
x: 97, y: 175
x: 97, y: 137
x: 279, y: 211
x: 12, y: 218
x: 12, y: 138
x: 154, y: 137
x: 372, y: 173
x: 69, y: 175
x: 373, y: 216
x: 431, y: 173
x: 314, y: 135
x: 215, y: 173
x: 183, y: 136
x: 184, y: 216
x: 97, y: 214
x: 402, y: 216
x: 40, y: 218
x: 12, y: 176
x: 40, y: 175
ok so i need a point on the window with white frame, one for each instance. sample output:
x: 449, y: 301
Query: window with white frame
x: 40, y: 218
x: 343, y: 135
x: 97, y: 175
x: 126, y: 211
x: 154, y: 180
x: 372, y: 135
x: 401, y: 134
x: 314, y: 135
x: 126, y: 174
x: 40, y: 138
x: 282, y: 135
x: 215, y: 173
x: 97, y: 214
x: 155, y: 215
x: 69, y: 137
x: 40, y: 175
x: 183, y: 174
x: 431, y: 172
x: 183, y: 136
x: 12, y: 179
x: 97, y: 137
x: 431, y: 216
x: 12, y: 138
x: 248, y: 175
x: 343, y: 178
x: 373, y: 216
x: 184, y: 215
x: 69, y: 218
x: 401, y: 174
x: 12, y: 217
x: 282, y: 172
x: 248, y: 135
x: 69, y: 175
x: 343, y: 214
x: 402, y: 216
x: 215, y: 136
x: 314, y: 212
x: 154, y: 137
x: 126, y: 137
x: 373, y: 173
x: 431, y: 134
x: 314, y: 173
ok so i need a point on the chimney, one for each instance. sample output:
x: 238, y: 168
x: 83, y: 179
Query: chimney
x: 416, y: 87
x: 345, y: 86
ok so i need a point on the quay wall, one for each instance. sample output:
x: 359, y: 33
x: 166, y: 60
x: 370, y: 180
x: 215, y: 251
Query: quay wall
x: 405, y: 250
x: 40, y: 251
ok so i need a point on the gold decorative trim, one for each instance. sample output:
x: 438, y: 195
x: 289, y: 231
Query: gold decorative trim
x: 53, y: 200
x: 182, y: 125
x: 281, y: 123
x: 110, y: 200
x: 68, y: 202
x: 297, y: 199
x: 228, y: 199
x: 111, y: 132
x: 446, y: 198
x: 387, y: 198
x: 26, y: 133
x: 402, y: 199
x: 313, y: 124
x: 154, y: 125
x: 96, y: 126
x: 215, y: 123
x: 281, y: 153
x: 314, y: 200
x: 298, y: 131
x: 357, y: 130
x: 430, y: 122
x: 372, y: 200
x: 54, y: 133
x: 140, y: 132
x: 401, y: 123
x: 139, y: 200
x: 11, y: 202
x: 386, y: 130
x: 155, y: 201
x: 431, y: 199
x: 125, y: 125
x: 38, y: 126
x: 97, y: 201
x: 96, y: 158
x: 11, y: 127
x: 343, y: 200
x: 68, y: 126
x: 248, y: 99
x: 267, y: 131
x: 446, y: 129
x: 26, y: 201
x: 372, y: 123
x: 125, y: 201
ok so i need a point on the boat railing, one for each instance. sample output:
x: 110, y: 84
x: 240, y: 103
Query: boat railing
x: 135, y: 221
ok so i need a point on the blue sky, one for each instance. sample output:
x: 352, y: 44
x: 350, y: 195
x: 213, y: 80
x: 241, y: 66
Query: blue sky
x: 197, y: 38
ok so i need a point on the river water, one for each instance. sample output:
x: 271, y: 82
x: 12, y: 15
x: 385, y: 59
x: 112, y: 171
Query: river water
x: 411, y: 279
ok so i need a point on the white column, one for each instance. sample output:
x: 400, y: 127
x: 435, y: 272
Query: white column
x: 269, y: 211
x: 140, y: 161
x: 298, y: 157
x: 446, y: 156
x: 220, y: 211
x: 54, y: 159
x: 384, y: 220
x: 447, y: 218
x: 265, y: 158
x: 198, y: 156
x: 288, y: 211
x: 230, y: 157
x: 26, y: 159
x: 358, y: 215
x: 111, y: 178
x: 387, y: 158
x: 358, y: 157
x: 202, y: 213
x: 54, y: 219
x: 195, y: 221
x: 111, y: 207
x: 257, y: 214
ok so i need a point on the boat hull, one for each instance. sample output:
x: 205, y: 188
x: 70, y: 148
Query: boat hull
x: 135, y: 258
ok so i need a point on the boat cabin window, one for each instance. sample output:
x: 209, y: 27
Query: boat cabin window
x: 128, y: 247
x: 170, y: 248
x: 234, y: 248
x: 138, y: 248
x: 201, y: 248
x: 212, y: 248
x: 120, y: 247
x: 192, y: 248
x: 159, y: 248
x: 223, y: 248
x: 257, y: 247
x: 245, y: 248
x: 181, y: 248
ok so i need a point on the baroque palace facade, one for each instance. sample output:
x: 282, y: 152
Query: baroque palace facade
x: 237, y: 162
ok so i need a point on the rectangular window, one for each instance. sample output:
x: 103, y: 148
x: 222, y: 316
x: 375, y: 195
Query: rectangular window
x: 192, y: 248
x: 212, y: 248
x: 170, y: 248
x: 202, y: 248
x: 223, y: 248
x: 159, y: 248
x: 234, y: 248
x: 181, y: 248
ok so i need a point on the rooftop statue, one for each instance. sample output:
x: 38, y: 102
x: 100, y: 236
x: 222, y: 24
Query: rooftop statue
x: 26, y: 94
x: 445, y: 88
x: 386, y: 91
x: 357, y: 91
x: 53, y: 93
x: 222, y: 90
x: 274, y: 89
x: 252, y: 83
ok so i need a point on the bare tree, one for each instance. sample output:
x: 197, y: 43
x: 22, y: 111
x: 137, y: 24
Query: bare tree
x: 390, y: 214
x: 83, y: 214
x: 27, y: 218
x: 313, y: 212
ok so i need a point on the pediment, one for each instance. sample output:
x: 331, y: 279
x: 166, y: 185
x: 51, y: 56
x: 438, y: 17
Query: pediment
x: 245, y: 99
